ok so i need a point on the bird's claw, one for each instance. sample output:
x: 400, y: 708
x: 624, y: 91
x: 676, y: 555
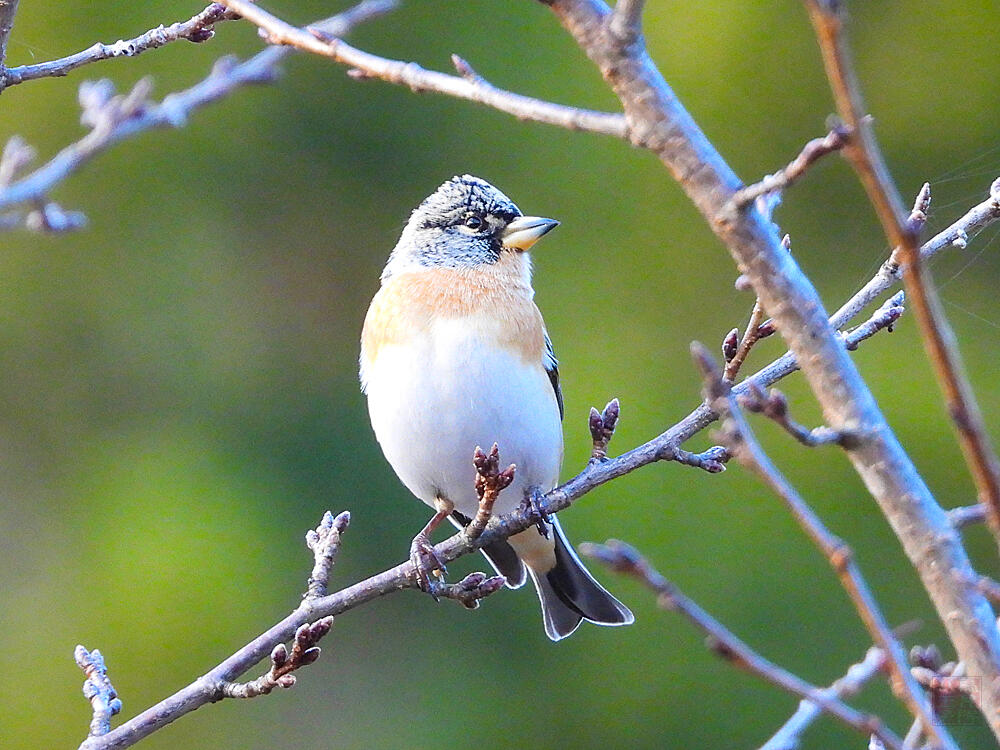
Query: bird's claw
x: 427, y: 565
x: 531, y: 507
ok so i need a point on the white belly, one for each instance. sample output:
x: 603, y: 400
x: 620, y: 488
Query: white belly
x: 434, y: 399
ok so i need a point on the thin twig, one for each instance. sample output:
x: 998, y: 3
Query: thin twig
x: 966, y: 515
x: 790, y: 733
x: 939, y: 338
x: 750, y: 337
x: 198, y: 28
x: 304, y: 652
x: 98, y: 690
x: 774, y: 405
x: 321, y: 41
x: 490, y: 482
x: 742, y: 443
x: 812, y: 152
x: 324, y: 541
x: 623, y: 558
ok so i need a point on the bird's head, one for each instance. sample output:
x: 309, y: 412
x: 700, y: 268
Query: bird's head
x: 465, y: 223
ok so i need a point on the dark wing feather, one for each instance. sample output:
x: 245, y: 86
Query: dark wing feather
x: 551, y: 365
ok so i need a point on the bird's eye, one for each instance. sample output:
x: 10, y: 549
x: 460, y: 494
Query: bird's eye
x: 474, y: 223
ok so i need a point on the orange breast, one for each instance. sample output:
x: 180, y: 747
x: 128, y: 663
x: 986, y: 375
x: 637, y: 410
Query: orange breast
x: 408, y: 303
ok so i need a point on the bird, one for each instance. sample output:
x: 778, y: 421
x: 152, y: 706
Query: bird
x: 454, y: 355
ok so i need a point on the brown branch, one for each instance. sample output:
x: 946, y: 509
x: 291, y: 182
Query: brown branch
x: 623, y: 558
x: 304, y: 652
x: 98, y: 690
x: 787, y: 737
x: 468, y: 85
x: 939, y: 338
x: 812, y: 152
x: 198, y: 28
x: 743, y: 445
x: 750, y: 337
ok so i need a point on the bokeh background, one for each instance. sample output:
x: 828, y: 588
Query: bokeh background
x: 179, y: 401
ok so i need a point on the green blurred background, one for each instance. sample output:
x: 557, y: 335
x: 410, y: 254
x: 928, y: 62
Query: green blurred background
x: 179, y: 398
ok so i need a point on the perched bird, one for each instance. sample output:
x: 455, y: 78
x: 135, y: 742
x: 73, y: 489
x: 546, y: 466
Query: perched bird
x: 454, y: 355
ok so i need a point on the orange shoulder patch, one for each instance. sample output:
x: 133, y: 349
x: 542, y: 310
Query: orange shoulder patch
x: 409, y: 303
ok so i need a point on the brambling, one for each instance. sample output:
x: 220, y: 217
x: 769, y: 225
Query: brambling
x: 454, y: 355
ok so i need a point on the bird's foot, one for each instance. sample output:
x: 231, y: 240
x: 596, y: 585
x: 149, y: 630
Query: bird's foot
x: 531, y: 507
x: 428, y: 566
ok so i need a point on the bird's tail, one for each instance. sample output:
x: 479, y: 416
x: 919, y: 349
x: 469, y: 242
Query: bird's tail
x: 569, y: 594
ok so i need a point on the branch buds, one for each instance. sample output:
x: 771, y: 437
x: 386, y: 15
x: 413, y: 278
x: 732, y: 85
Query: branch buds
x: 602, y: 428
x: 489, y: 478
x: 731, y: 344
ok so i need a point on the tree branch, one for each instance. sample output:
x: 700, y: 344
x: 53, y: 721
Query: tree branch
x: 8, y: 9
x: 788, y: 736
x: 742, y: 443
x: 468, y: 85
x: 658, y: 122
x: 116, y: 118
x: 939, y: 338
x: 623, y: 558
x: 98, y: 690
x: 198, y: 28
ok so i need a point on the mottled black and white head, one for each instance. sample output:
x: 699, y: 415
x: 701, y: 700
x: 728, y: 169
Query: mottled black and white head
x: 463, y: 224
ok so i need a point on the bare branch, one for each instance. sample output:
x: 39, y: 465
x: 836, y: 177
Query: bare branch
x: 658, y: 122
x: 742, y: 443
x: 750, y: 337
x: 902, y: 231
x: 623, y: 558
x: 626, y: 20
x: 98, y: 690
x: 490, y: 482
x: 788, y: 736
x: 304, y: 652
x: 198, y: 28
x: 321, y: 41
x: 324, y: 541
x: 8, y: 9
x: 713, y: 460
x: 812, y: 152
x: 774, y: 405
x: 116, y: 118
x: 966, y: 516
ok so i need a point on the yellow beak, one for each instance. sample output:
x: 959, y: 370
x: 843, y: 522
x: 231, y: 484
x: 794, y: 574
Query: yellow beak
x: 524, y: 232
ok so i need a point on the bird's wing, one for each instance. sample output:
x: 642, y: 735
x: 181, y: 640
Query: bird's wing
x: 551, y: 365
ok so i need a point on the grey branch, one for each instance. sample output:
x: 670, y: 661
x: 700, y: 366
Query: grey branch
x: 198, y: 28
x: 98, y: 690
x: 116, y: 118
x: 468, y: 85
x: 814, y: 150
x: 324, y: 541
x: 774, y: 405
x: 790, y: 733
x: 742, y: 443
x: 8, y: 9
x: 658, y: 122
x: 902, y: 231
x: 966, y: 515
x: 625, y: 559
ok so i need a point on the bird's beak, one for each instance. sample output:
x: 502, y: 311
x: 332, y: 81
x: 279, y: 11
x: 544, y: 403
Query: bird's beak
x: 524, y: 232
